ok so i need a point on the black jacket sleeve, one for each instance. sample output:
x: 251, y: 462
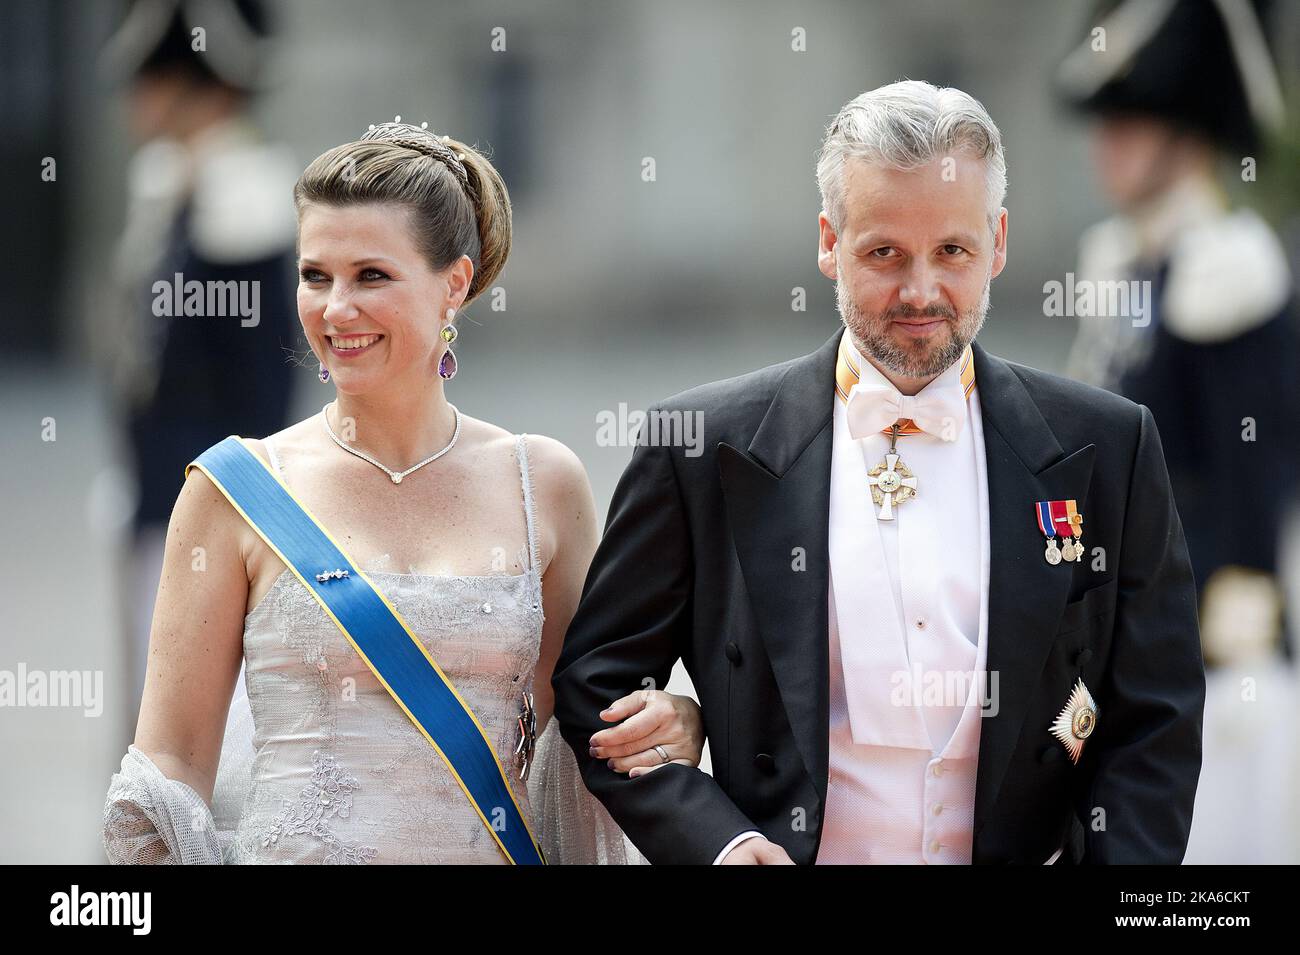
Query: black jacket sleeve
x: 628, y: 631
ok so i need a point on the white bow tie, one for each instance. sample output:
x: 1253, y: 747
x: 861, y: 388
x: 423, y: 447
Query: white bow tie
x: 873, y: 407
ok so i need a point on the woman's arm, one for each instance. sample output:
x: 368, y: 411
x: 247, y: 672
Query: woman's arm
x: 158, y: 807
x: 569, y: 537
x: 196, y: 639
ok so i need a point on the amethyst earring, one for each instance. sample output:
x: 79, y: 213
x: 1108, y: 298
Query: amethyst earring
x: 324, y: 374
x: 447, y: 364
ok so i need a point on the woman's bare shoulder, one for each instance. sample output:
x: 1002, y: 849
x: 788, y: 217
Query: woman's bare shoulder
x: 562, y: 490
x: 200, y: 498
x: 554, y: 464
x: 565, y: 505
x: 477, y: 432
x: 291, y: 438
x: 559, y: 480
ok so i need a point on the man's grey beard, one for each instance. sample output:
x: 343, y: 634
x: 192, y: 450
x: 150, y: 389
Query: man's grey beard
x: 872, y: 337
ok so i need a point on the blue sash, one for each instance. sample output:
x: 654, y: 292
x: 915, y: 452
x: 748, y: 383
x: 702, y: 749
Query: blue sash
x: 378, y: 633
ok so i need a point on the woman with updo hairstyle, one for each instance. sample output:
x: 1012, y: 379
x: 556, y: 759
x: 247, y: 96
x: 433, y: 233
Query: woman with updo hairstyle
x: 478, y: 538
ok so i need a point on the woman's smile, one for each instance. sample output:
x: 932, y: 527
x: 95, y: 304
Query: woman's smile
x: 352, y: 346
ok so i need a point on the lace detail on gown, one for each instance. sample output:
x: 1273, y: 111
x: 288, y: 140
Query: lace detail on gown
x: 329, y: 794
x: 336, y: 773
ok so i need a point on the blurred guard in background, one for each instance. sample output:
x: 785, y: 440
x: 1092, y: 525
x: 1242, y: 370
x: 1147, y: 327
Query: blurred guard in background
x: 1181, y: 87
x: 209, y: 199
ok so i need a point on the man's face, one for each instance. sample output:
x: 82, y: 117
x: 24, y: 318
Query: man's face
x: 913, y: 261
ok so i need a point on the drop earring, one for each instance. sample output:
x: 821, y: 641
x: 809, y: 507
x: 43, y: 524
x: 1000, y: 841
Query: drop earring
x: 324, y: 373
x: 447, y: 364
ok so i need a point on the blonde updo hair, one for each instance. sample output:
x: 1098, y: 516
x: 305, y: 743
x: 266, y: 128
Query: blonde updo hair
x: 458, y: 202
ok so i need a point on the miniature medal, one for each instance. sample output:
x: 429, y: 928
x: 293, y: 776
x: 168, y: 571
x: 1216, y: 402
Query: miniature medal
x: 1044, y: 513
x: 1076, y: 528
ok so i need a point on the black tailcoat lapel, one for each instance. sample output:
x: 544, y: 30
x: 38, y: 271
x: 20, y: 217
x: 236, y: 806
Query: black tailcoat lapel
x: 778, y: 499
x: 1026, y: 464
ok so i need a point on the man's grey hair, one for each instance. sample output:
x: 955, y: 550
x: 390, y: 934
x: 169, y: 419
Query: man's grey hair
x: 905, y: 125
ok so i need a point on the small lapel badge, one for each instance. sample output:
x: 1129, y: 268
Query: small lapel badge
x: 1061, y: 519
x: 1076, y: 721
x: 326, y: 575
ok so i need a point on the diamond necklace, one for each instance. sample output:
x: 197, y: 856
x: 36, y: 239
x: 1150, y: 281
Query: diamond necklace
x: 395, y: 476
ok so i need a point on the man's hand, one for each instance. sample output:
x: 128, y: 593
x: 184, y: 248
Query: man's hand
x: 649, y: 718
x: 757, y: 851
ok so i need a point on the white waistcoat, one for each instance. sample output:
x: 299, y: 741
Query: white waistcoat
x: 908, y: 636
